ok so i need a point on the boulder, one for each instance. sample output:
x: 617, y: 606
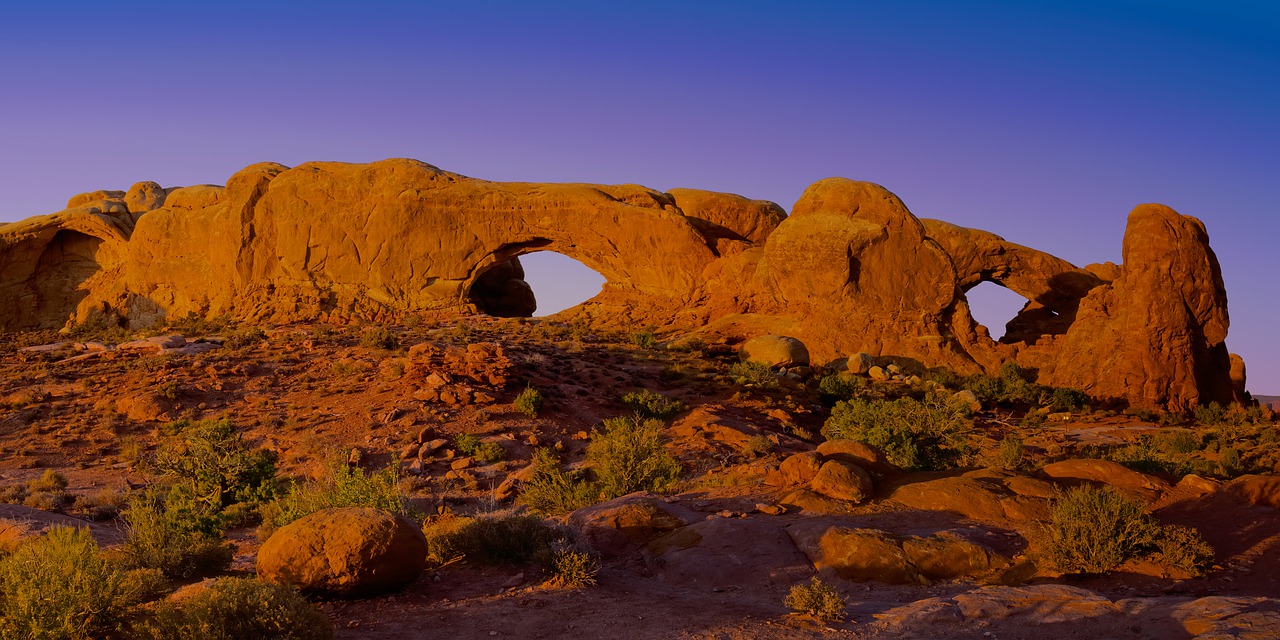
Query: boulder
x: 775, y: 351
x: 879, y: 374
x: 628, y: 522
x: 728, y: 553
x: 345, y: 552
x: 988, y: 499
x: 860, y: 363
x: 1079, y: 470
x: 967, y: 399
x: 800, y: 468
x: 811, y: 502
x: 843, y: 481
x: 144, y: 196
x: 857, y: 554
x: 859, y: 453
x: 1261, y: 490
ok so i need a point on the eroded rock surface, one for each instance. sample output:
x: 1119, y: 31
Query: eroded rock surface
x: 851, y: 271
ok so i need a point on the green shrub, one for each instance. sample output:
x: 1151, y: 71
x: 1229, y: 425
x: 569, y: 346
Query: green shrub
x: 1094, y: 530
x: 650, y: 404
x: 215, y: 459
x: 1210, y: 414
x: 629, y: 456
x: 490, y: 539
x: 914, y: 434
x: 550, y: 491
x: 817, y: 599
x: 645, y: 339
x: 1182, y: 547
x: 466, y: 443
x: 1011, y: 453
x: 1182, y: 442
x: 753, y: 373
x: 529, y: 402
x: 574, y: 568
x: 342, y: 486
x: 379, y: 338
x: 175, y: 535
x: 1014, y: 384
x: 245, y: 338
x: 50, y: 481
x: 841, y: 386
x: 61, y: 585
x: 1229, y: 462
x: 240, y: 609
x: 1068, y: 399
x: 489, y: 452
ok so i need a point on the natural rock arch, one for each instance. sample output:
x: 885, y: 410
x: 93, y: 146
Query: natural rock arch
x: 50, y: 266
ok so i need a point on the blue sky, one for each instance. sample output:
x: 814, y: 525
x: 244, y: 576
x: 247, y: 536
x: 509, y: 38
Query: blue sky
x: 1043, y: 122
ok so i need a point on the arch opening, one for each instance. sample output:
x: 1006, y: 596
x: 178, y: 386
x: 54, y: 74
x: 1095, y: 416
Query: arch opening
x: 536, y: 283
x: 58, y: 274
x: 995, y: 307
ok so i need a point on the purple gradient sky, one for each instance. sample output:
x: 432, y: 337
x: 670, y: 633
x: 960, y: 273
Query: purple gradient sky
x: 1044, y: 124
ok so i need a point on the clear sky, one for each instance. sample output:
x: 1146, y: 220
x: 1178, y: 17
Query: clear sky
x: 1043, y: 122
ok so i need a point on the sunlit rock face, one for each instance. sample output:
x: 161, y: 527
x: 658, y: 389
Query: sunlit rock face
x: 850, y: 270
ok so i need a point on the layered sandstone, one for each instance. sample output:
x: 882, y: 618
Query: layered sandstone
x: 851, y: 270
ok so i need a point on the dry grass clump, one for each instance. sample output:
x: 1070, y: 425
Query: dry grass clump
x: 505, y: 538
x: 239, y: 609
x: 817, y: 599
x: 61, y: 585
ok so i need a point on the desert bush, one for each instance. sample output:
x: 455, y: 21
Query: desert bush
x: 1095, y: 529
x: 1182, y: 442
x: 1013, y: 384
x: 645, y: 339
x: 753, y: 373
x: 489, y: 452
x: 239, y: 609
x: 379, y: 338
x: 61, y: 585
x: 1011, y: 453
x: 489, y: 539
x: 841, y: 386
x: 174, y: 534
x: 629, y: 456
x: 1229, y: 462
x: 757, y: 446
x: 529, y: 402
x: 245, y: 337
x: 466, y: 443
x: 817, y: 599
x: 551, y: 491
x: 50, y: 481
x: 573, y: 568
x: 342, y: 486
x: 220, y: 466
x: 914, y: 434
x: 1211, y: 414
x: 1068, y: 399
x: 1182, y: 547
x: 651, y: 404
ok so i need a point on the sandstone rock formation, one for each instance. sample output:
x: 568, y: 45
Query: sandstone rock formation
x: 851, y: 270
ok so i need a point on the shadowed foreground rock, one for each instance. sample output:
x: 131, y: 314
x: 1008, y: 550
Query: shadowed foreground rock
x: 850, y: 271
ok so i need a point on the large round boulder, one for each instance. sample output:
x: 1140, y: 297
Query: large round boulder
x: 775, y: 351
x: 347, y: 551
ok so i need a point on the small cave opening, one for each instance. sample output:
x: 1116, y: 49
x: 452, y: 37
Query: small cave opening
x: 994, y: 306
x: 535, y: 284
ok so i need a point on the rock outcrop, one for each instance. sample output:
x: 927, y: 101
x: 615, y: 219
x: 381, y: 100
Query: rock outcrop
x: 850, y: 271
